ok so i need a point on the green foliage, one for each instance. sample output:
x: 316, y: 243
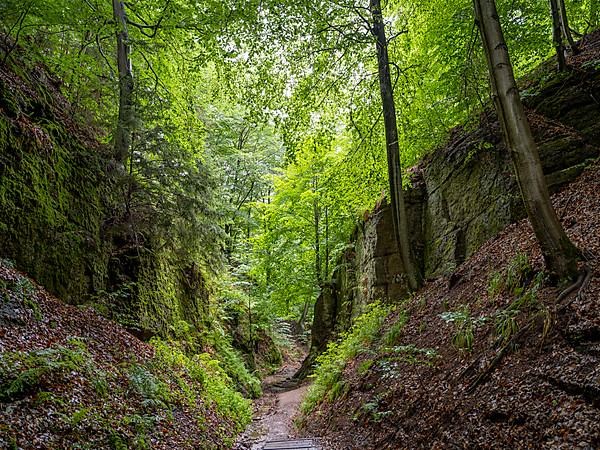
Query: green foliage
x: 330, y: 365
x: 394, y: 332
x: 22, y: 291
x: 208, y: 380
x: 506, y: 324
x: 373, y: 410
x: 495, y: 284
x: 519, y: 270
x: 412, y: 354
x: 304, y: 228
x: 24, y: 373
x: 233, y: 366
x: 464, y: 327
x: 518, y: 273
x: 364, y: 367
x: 155, y: 392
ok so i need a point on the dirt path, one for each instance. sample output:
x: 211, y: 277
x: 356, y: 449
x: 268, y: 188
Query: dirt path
x: 274, y: 412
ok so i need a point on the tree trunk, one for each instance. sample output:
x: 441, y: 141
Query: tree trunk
x: 560, y: 255
x: 393, y: 149
x: 593, y: 14
x: 557, y: 36
x: 317, y: 235
x: 566, y: 30
x: 126, y: 114
x: 326, y: 243
x: 304, y: 315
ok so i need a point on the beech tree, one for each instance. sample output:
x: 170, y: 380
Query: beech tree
x: 561, y: 32
x: 122, y: 140
x: 392, y: 147
x: 560, y: 255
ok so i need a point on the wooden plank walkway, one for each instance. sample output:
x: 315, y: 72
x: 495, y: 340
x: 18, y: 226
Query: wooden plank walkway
x: 291, y: 444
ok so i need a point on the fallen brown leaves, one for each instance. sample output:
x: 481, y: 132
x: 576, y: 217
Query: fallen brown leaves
x: 76, y: 367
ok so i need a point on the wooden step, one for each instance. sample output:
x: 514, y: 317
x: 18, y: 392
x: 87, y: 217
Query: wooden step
x: 292, y: 444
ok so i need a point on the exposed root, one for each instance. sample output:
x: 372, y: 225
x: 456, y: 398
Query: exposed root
x: 579, y: 286
x: 483, y: 376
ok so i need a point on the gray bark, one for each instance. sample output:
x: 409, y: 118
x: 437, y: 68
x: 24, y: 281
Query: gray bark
x: 566, y: 30
x: 560, y: 255
x: 122, y: 141
x: 393, y: 149
x: 557, y: 35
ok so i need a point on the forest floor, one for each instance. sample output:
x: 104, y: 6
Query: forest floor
x: 275, y: 410
x: 70, y: 378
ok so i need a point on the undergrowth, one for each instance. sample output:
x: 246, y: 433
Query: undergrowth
x: 24, y: 373
x: 199, y: 377
x: 328, y: 382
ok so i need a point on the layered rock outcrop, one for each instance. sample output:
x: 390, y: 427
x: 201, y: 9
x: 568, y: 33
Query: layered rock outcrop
x: 465, y: 192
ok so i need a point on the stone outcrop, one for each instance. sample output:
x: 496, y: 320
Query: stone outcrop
x: 465, y: 193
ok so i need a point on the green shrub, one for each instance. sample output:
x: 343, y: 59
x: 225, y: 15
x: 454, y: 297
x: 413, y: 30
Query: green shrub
x: 233, y: 365
x: 392, y: 335
x: 372, y: 409
x: 506, y: 324
x: 364, y: 367
x: 519, y: 271
x: 464, y: 327
x: 412, y: 354
x: 495, y: 284
x: 154, y: 391
x: 331, y: 364
x: 212, y: 382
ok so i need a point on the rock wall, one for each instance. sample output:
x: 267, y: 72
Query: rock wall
x: 465, y: 192
x: 63, y: 218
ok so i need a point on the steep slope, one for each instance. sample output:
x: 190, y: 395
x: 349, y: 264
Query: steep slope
x: 489, y: 357
x: 69, y: 378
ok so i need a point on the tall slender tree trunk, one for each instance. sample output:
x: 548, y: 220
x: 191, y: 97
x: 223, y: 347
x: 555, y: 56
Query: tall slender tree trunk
x: 566, y: 30
x: 122, y: 142
x: 560, y: 255
x: 594, y: 10
x: 326, y: 242
x: 304, y: 315
x: 557, y: 35
x: 317, y: 231
x: 393, y: 150
x: 317, y: 246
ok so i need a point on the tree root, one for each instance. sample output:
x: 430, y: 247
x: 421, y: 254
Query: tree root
x: 483, y: 376
x: 579, y: 286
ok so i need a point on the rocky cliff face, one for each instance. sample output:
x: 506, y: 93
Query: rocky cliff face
x: 465, y: 192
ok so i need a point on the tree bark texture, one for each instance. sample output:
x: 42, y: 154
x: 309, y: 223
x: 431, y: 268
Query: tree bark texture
x: 393, y: 150
x: 122, y: 142
x: 566, y: 30
x: 560, y: 255
x: 557, y: 35
x: 317, y: 234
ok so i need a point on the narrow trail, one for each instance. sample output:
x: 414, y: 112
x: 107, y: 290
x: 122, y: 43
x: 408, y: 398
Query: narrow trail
x: 274, y: 412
